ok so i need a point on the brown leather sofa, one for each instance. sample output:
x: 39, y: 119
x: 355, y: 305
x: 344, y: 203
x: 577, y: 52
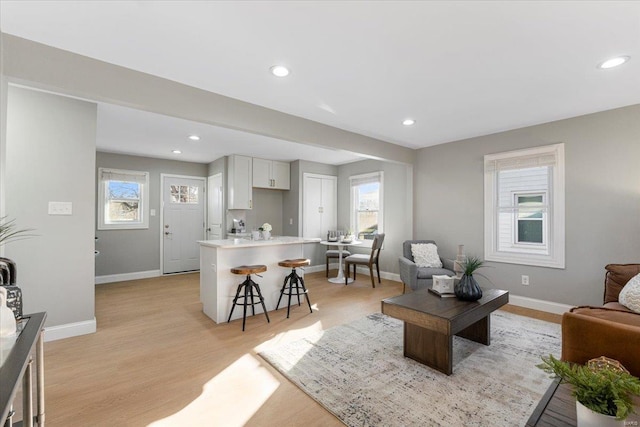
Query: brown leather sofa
x: 611, y: 330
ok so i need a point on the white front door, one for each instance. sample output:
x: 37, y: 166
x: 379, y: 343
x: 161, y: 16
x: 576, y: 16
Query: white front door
x: 183, y: 223
x: 214, y: 200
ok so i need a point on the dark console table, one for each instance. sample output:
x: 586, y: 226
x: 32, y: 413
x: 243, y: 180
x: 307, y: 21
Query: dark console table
x: 18, y: 367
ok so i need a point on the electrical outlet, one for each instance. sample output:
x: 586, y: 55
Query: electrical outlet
x: 290, y: 221
x: 525, y: 280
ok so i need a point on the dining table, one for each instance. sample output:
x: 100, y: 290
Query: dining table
x: 341, y: 244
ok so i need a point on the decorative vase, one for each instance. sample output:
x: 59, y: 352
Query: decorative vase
x: 266, y: 235
x: 8, y: 276
x: 585, y: 417
x: 7, y: 320
x: 467, y: 289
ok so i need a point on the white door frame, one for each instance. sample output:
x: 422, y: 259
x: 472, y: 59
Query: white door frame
x: 161, y: 228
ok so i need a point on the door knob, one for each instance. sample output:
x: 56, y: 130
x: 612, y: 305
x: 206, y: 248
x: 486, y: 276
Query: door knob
x: 167, y: 233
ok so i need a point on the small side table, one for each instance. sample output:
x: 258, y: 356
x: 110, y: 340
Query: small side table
x: 19, y: 366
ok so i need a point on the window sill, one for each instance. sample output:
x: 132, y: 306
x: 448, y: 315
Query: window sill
x: 523, y: 259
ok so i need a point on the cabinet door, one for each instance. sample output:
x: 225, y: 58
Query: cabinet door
x: 319, y: 205
x: 329, y: 204
x: 312, y: 208
x: 262, y: 173
x: 280, y: 173
x: 239, y: 182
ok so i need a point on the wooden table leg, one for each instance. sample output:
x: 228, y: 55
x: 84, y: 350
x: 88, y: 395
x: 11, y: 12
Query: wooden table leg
x: 428, y: 347
x: 478, y: 332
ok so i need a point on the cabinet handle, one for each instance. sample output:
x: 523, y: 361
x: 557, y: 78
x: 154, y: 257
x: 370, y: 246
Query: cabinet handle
x: 250, y: 204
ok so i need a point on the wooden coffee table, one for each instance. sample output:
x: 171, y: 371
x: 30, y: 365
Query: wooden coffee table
x: 430, y: 322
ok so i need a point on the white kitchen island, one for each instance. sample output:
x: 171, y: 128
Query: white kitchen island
x: 218, y: 285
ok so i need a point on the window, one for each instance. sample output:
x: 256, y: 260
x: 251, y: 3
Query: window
x: 184, y: 194
x: 123, y: 198
x: 366, y: 206
x: 524, y: 206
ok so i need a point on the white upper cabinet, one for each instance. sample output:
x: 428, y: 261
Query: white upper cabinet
x: 271, y: 174
x: 239, y: 181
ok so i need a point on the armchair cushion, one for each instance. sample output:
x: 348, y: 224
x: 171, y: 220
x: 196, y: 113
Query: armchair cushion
x: 429, y: 272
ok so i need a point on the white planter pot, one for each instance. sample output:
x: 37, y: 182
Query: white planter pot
x: 587, y: 418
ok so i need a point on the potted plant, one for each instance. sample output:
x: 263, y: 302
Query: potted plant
x: 266, y: 231
x: 467, y: 289
x: 603, y: 389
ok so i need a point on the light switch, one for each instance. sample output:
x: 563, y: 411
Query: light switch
x: 152, y: 212
x: 60, y: 208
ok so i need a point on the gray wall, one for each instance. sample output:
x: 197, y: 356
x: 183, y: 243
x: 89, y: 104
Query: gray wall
x: 50, y: 156
x: 602, y: 153
x: 398, y: 217
x: 267, y: 207
x: 128, y: 251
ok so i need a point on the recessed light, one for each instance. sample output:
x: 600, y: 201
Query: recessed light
x: 194, y: 137
x: 614, y: 62
x: 408, y: 122
x: 279, y: 71
x: 176, y: 151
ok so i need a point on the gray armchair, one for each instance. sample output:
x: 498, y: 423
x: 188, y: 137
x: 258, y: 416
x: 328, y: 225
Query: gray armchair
x: 419, y: 277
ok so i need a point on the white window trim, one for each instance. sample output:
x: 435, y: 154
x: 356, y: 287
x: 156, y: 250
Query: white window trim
x: 102, y: 202
x: 555, y: 258
x: 352, y: 210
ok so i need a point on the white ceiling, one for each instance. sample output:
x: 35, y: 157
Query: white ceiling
x: 459, y: 68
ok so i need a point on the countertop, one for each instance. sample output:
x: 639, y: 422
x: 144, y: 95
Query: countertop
x: 247, y: 243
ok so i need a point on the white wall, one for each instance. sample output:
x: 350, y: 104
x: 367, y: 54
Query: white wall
x: 50, y: 156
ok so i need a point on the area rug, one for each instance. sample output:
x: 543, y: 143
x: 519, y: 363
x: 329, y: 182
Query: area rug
x: 357, y: 371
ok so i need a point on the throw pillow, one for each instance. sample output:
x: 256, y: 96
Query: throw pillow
x: 425, y: 255
x: 630, y: 294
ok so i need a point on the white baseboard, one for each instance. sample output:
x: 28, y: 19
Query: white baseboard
x: 68, y: 330
x: 538, y: 304
x: 111, y: 278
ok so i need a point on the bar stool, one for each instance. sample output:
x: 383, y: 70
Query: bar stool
x: 248, y: 298
x: 294, y: 284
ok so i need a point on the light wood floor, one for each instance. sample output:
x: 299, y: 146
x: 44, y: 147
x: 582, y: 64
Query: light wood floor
x: 157, y: 360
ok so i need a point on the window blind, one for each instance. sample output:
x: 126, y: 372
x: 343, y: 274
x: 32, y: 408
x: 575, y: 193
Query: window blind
x: 520, y: 162
x: 369, y: 178
x: 122, y: 175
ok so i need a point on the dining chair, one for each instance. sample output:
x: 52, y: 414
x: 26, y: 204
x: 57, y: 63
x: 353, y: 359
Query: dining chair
x: 364, y: 259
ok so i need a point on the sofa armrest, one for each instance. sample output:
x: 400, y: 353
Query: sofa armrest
x: 585, y: 337
x: 408, y: 272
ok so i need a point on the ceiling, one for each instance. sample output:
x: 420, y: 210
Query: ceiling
x: 459, y: 68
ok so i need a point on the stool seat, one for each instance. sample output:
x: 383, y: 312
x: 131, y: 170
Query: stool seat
x: 293, y: 263
x: 249, y: 269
